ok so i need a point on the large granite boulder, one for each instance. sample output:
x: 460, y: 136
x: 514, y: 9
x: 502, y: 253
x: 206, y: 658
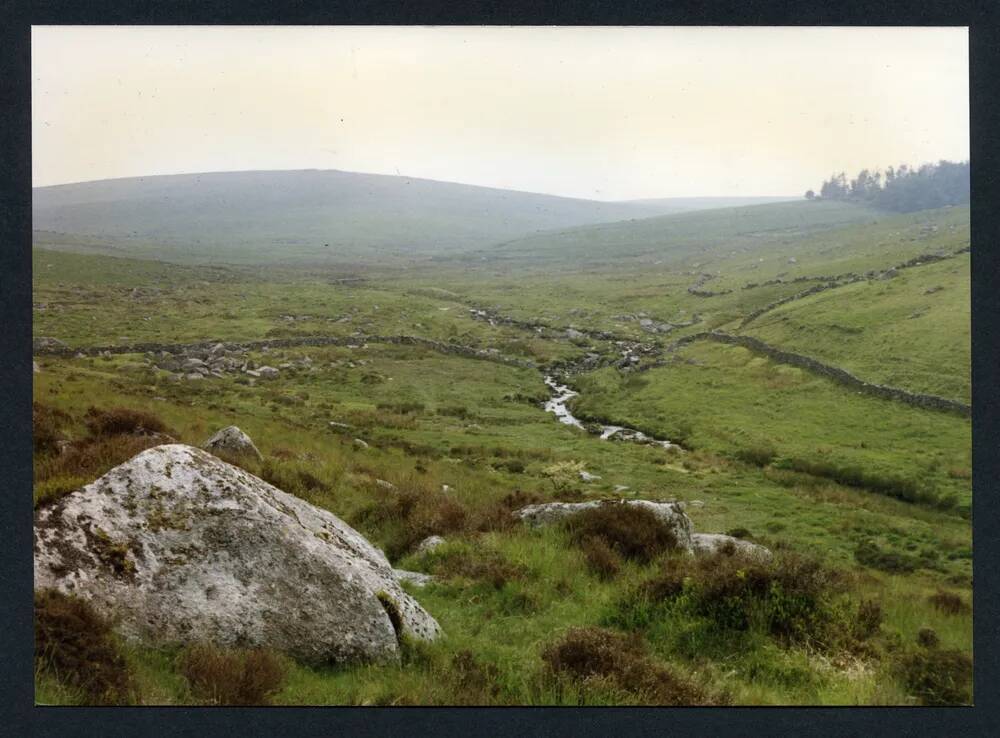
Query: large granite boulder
x: 177, y: 546
x: 670, y: 513
x: 231, y: 441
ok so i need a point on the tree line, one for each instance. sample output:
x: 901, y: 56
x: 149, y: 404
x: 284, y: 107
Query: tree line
x: 903, y: 188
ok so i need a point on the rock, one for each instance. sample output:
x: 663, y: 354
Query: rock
x: 573, y: 333
x: 889, y: 273
x: 445, y: 488
x: 176, y: 546
x: 46, y: 343
x: 621, y: 488
x: 267, y: 372
x: 932, y: 290
x: 705, y: 544
x: 429, y: 544
x: 588, y: 477
x: 384, y: 484
x: 695, y: 503
x: 359, y: 444
x: 792, y: 260
x: 232, y: 441
x: 671, y: 513
x: 193, y: 376
x: 416, y: 578
x: 340, y: 426
x: 35, y: 369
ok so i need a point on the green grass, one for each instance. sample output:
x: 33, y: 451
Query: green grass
x: 478, y: 427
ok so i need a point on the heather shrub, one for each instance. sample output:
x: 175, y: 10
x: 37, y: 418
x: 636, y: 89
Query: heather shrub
x: 949, y: 603
x: 630, y: 531
x: 599, y: 660
x: 122, y: 421
x: 224, y: 676
x: 75, y: 645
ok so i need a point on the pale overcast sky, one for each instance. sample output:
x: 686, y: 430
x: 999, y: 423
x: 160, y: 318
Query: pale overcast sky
x: 606, y: 113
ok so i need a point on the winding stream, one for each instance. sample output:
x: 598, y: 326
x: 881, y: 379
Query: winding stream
x: 556, y: 404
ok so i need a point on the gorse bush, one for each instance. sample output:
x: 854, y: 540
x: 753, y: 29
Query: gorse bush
x: 630, y: 531
x: 596, y: 660
x: 76, y: 646
x: 223, y: 676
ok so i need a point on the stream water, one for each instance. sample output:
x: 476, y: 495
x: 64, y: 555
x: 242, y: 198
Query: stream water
x: 556, y: 404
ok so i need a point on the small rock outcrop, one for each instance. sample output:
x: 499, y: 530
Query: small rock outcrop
x: 177, y: 546
x: 670, y: 513
x: 706, y: 544
x: 231, y: 441
x: 416, y: 578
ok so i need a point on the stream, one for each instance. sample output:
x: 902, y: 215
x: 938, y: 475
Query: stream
x: 562, y: 394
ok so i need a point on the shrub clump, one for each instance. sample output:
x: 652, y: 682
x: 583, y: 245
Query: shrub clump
x: 869, y: 553
x: 599, y: 660
x: 759, y: 455
x: 76, y: 645
x: 949, y: 603
x: 46, y: 427
x: 121, y: 421
x: 224, y: 676
x: 628, y: 531
x: 936, y: 677
x: 409, y: 515
x: 790, y: 596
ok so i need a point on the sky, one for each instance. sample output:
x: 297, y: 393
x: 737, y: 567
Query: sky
x: 602, y: 113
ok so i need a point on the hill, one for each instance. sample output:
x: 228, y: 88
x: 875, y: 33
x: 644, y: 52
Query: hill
x: 675, y: 237
x: 306, y: 216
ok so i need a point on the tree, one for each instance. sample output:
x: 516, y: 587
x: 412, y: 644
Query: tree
x: 810, y: 195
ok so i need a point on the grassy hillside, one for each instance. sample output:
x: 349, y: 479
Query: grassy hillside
x: 875, y: 492
x: 305, y: 216
x: 682, y: 240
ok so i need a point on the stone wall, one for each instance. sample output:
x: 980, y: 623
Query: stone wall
x: 841, y: 376
x: 271, y: 343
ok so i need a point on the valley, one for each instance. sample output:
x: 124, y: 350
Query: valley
x: 794, y: 375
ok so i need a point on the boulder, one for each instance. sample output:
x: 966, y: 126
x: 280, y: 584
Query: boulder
x: 267, y: 372
x: 429, y: 544
x: 416, y: 578
x: 231, y: 441
x: 177, y: 547
x: 705, y: 544
x: 359, y: 444
x: 670, y: 513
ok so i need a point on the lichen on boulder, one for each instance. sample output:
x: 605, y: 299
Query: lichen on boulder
x: 177, y: 547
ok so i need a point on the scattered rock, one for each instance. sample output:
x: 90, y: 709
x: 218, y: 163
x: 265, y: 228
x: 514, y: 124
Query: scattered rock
x: 792, y: 260
x: 932, y: 290
x: 35, y: 369
x: 429, y: 544
x: 267, y: 372
x: 359, y: 444
x: 232, y: 441
x: 445, y: 488
x: 588, y: 477
x: 385, y: 484
x: 177, y: 546
x: 46, y: 343
x: 670, y: 513
x: 889, y: 273
x: 340, y: 426
x: 621, y: 488
x: 709, y: 543
x: 416, y: 578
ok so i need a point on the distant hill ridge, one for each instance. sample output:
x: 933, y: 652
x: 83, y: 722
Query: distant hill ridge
x: 313, y: 215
